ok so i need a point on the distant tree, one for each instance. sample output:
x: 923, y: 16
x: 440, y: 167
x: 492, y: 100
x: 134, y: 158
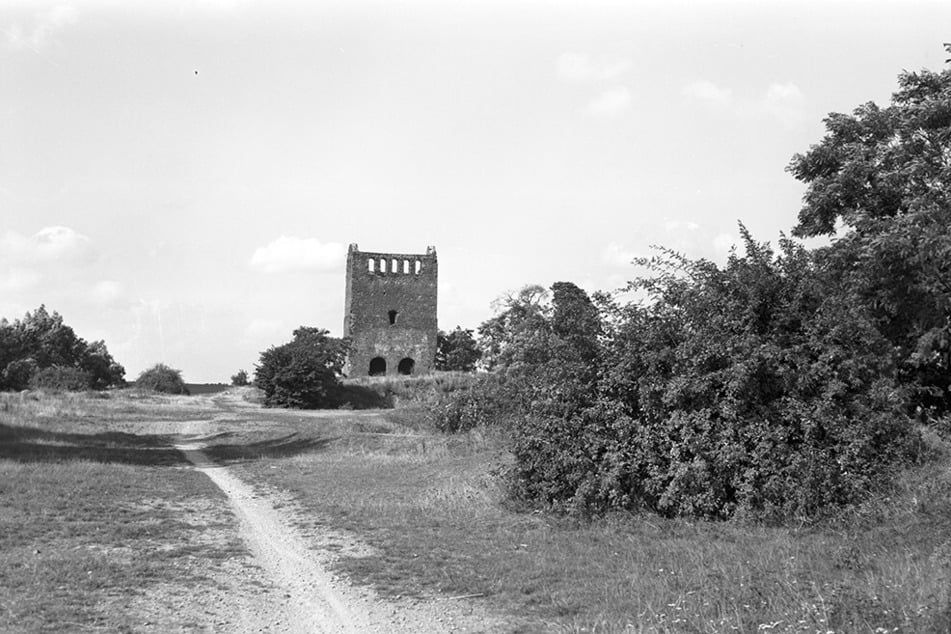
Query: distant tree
x: 161, y: 378
x: 516, y: 338
x: 42, y: 340
x: 240, y: 378
x: 880, y: 180
x: 457, y: 350
x: 303, y: 373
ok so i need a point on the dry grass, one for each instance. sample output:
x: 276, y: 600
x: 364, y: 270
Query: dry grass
x: 93, y: 507
x: 437, y: 523
x: 101, y: 527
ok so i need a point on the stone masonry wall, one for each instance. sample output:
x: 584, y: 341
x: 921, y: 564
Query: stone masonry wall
x: 390, y: 311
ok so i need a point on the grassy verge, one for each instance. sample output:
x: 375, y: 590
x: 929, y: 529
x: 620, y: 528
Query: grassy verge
x: 101, y: 527
x: 435, y: 516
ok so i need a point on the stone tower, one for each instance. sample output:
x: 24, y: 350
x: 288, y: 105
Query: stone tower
x: 390, y: 312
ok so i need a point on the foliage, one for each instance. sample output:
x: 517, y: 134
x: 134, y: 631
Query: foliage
x: 41, y: 340
x: 754, y: 389
x: 161, y: 378
x: 240, y: 378
x: 884, y: 174
x: 58, y: 378
x: 304, y: 373
x: 456, y: 351
x: 517, y: 337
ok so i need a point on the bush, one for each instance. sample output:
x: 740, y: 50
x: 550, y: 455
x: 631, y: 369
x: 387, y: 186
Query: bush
x: 57, y: 378
x: 487, y: 401
x: 161, y: 378
x: 753, y: 390
x: 304, y: 373
x: 240, y: 379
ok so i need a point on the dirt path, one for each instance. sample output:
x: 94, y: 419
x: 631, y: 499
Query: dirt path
x: 311, y: 599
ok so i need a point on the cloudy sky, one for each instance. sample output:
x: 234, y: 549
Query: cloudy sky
x: 182, y: 179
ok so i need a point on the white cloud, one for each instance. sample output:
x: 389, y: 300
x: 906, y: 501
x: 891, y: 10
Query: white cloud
x: 579, y: 67
x: 610, y: 103
x: 616, y: 255
x: 708, y: 92
x: 42, y: 28
x: 50, y: 244
x: 106, y: 291
x: 784, y: 102
x: 781, y: 101
x: 298, y: 254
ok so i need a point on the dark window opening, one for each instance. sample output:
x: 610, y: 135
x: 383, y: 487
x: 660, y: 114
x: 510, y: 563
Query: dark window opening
x: 377, y: 366
x: 393, y: 315
x: 406, y: 366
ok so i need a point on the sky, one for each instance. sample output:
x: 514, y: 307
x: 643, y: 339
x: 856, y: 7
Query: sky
x: 182, y: 179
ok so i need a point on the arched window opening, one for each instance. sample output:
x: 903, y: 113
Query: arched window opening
x: 419, y: 267
x: 377, y: 366
x: 371, y: 265
x: 394, y: 266
x: 406, y: 366
x: 405, y: 267
x: 382, y: 265
x: 393, y: 314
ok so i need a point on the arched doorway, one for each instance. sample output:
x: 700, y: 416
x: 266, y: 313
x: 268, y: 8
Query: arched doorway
x: 377, y: 366
x: 406, y: 366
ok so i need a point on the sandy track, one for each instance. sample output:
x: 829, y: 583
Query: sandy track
x: 311, y: 599
x: 310, y: 602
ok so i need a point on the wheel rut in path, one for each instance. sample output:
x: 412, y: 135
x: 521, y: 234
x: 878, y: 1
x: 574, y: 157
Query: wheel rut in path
x: 309, y: 602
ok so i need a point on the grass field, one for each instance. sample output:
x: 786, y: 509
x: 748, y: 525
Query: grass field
x: 101, y: 526
x: 97, y: 514
x: 435, y: 515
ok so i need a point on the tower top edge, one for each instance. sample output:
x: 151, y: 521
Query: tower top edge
x: 355, y: 251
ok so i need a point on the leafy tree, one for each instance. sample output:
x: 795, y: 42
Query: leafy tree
x: 880, y: 179
x: 457, y: 350
x: 517, y: 337
x: 304, y: 373
x: 162, y: 378
x: 42, y: 340
x: 240, y: 378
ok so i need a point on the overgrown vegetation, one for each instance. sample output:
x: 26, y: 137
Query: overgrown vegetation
x: 781, y: 385
x: 40, y: 351
x: 439, y: 524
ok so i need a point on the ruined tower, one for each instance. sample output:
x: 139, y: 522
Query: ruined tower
x: 390, y: 312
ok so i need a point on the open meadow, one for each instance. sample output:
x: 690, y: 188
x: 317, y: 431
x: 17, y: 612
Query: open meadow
x: 105, y: 526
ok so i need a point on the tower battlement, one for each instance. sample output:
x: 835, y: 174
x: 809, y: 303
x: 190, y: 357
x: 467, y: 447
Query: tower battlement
x: 390, y: 312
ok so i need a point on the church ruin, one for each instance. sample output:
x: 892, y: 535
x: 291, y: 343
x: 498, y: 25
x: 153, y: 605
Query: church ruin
x: 390, y: 312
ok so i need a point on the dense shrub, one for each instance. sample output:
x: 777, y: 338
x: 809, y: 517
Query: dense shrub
x: 303, y: 373
x: 488, y: 400
x: 240, y: 378
x: 754, y: 389
x: 161, y: 378
x: 58, y: 378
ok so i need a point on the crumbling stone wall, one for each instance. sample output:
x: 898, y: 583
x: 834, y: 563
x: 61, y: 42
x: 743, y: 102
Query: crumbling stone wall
x: 390, y: 312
